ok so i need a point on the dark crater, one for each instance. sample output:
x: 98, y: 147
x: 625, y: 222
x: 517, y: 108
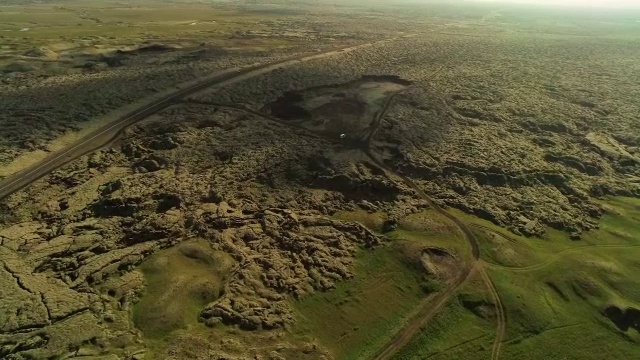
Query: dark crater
x: 286, y: 107
x: 289, y: 105
x: 624, y: 319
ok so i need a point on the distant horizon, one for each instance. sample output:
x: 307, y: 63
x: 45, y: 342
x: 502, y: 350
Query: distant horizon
x: 612, y: 4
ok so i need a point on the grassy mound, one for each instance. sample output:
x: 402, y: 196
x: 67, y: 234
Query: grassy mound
x: 179, y: 282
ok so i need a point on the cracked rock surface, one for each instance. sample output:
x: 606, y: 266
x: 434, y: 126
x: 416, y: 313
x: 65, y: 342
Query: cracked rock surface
x: 257, y: 190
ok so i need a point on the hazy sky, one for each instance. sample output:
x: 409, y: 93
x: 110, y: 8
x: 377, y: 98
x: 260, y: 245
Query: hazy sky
x: 585, y: 3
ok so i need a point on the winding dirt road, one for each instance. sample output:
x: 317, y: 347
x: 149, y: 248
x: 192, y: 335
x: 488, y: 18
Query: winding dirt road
x: 431, y: 306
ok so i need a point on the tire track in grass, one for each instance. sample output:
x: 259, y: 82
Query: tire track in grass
x: 429, y: 309
x: 501, y: 327
x: 559, y: 255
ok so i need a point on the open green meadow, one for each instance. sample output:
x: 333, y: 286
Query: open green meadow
x: 555, y: 291
x: 360, y: 314
x: 358, y: 317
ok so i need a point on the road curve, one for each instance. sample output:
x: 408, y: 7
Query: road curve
x: 109, y: 132
x: 501, y: 316
x: 430, y: 307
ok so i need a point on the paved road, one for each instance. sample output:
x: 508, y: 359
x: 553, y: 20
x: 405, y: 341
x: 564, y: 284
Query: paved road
x: 109, y: 132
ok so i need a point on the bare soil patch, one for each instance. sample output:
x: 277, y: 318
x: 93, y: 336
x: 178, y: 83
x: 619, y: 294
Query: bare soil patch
x: 348, y: 108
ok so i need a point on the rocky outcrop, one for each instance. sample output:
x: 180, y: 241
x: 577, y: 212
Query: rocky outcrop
x: 576, y: 163
x: 92, y: 226
x: 152, y: 163
x: 280, y: 253
x: 42, y: 314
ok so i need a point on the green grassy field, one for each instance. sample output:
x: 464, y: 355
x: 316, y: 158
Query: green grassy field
x: 358, y: 317
x: 179, y: 281
x: 457, y: 332
x: 359, y: 314
x: 554, y: 292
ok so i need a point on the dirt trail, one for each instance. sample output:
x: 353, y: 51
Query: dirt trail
x: 501, y: 326
x: 377, y: 120
x: 429, y: 307
x: 560, y: 254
